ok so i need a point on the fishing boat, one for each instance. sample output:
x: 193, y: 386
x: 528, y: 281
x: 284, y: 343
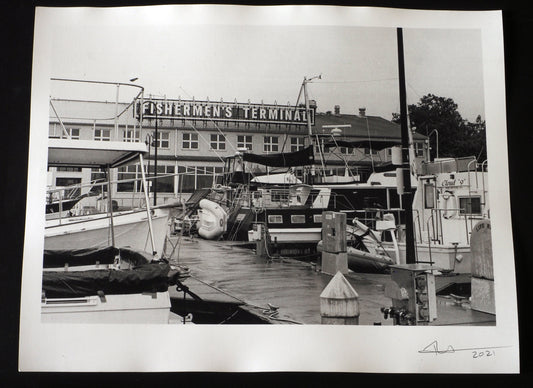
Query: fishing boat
x: 452, y: 196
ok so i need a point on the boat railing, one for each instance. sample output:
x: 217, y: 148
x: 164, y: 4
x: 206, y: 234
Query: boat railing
x: 98, y: 190
x: 434, y: 225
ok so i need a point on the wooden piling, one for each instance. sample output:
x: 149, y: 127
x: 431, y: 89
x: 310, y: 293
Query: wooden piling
x: 339, y: 302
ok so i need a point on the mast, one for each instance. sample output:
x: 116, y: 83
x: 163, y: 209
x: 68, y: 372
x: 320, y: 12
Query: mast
x: 310, y: 131
x: 406, y: 192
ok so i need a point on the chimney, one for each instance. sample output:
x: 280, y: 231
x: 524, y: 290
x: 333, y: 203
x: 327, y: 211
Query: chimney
x: 337, y: 110
x: 362, y: 112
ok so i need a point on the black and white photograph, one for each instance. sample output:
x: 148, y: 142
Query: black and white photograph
x: 319, y: 183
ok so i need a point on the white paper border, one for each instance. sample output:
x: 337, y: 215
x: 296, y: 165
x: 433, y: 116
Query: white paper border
x: 279, y: 347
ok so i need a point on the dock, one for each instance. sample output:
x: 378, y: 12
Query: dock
x: 230, y: 284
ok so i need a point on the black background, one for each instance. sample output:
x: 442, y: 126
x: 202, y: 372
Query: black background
x: 16, y: 60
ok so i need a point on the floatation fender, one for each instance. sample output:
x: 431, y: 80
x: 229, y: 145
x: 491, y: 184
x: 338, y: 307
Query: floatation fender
x: 213, y: 220
x: 450, y: 204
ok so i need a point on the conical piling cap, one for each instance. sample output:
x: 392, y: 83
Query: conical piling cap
x: 339, y: 288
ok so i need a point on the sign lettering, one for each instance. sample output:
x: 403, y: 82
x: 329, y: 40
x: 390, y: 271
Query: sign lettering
x: 223, y: 111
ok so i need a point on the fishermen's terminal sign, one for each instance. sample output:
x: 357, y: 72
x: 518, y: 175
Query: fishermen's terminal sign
x: 223, y: 111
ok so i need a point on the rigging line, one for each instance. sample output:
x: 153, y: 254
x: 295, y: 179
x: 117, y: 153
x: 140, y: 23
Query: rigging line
x: 205, y: 140
x: 341, y: 156
x: 215, y: 124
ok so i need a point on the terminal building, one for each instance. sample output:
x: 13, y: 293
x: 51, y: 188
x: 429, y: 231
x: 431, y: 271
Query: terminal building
x: 194, y: 138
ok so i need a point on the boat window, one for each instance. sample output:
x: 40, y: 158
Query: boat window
x: 275, y: 219
x: 317, y: 218
x: 298, y: 219
x: 429, y: 196
x: 470, y: 205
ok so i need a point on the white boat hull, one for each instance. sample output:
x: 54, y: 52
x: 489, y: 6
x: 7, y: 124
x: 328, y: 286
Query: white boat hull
x: 292, y: 235
x: 129, y: 308
x: 446, y: 257
x: 131, y: 229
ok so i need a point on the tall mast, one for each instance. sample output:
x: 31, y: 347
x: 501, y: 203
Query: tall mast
x: 407, y: 197
x: 310, y: 131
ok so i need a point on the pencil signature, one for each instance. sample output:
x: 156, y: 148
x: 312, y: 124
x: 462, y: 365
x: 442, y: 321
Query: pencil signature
x: 434, y: 348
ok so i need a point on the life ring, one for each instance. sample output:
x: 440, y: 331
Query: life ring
x: 449, y: 199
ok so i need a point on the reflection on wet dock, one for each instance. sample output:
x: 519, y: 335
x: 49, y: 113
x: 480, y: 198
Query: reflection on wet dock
x: 230, y: 284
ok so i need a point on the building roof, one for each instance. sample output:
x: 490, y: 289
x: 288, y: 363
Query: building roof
x: 361, y: 126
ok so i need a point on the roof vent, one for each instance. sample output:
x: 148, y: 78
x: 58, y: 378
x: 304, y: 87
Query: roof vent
x: 337, y: 110
x: 362, y: 112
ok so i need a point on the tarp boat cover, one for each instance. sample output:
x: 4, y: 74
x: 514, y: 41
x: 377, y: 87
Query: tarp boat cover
x: 143, y: 276
x: 302, y: 157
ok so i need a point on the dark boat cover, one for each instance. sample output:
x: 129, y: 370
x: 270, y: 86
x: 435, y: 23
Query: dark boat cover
x: 152, y: 277
x: 303, y: 157
x: 86, y: 256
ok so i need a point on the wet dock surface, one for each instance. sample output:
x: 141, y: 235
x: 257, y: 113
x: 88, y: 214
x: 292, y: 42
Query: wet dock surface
x: 231, y: 280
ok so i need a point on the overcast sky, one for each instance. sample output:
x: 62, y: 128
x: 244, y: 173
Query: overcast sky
x: 268, y: 62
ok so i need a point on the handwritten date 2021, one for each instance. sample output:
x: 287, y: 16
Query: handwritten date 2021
x: 483, y: 353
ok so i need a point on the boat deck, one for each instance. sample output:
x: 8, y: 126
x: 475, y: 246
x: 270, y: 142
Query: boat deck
x: 233, y: 282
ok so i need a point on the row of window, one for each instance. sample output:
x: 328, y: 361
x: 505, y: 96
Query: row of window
x: 189, y: 179
x: 295, y: 218
x: 190, y: 141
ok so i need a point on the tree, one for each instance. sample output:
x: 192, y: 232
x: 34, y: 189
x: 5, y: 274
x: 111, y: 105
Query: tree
x: 437, y: 117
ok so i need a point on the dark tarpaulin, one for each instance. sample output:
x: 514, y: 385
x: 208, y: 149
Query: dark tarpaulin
x: 152, y: 277
x: 303, y: 157
x: 374, y: 144
x: 86, y: 256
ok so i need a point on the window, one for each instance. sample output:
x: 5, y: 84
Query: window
x: 270, y: 144
x: 131, y: 136
x: 217, y: 142
x: 368, y: 151
x: 57, y: 132
x: 102, y: 134
x: 275, y: 219
x: 164, y: 184
x: 163, y: 140
x: 345, y: 150
x: 69, y: 169
x: 192, y: 178
x: 98, y: 174
x: 429, y: 196
x: 190, y: 141
x: 129, y: 172
x: 298, y: 219
x: 317, y: 218
x: 297, y: 143
x: 67, y: 181
x: 244, y: 141
x: 419, y: 149
x: 470, y: 205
